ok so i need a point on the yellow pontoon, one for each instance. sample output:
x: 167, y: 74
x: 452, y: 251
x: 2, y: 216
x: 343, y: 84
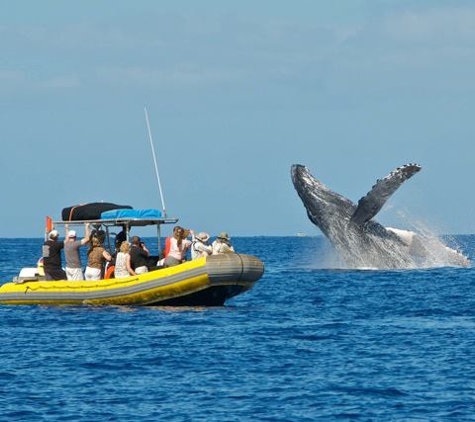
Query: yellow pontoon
x: 202, y: 282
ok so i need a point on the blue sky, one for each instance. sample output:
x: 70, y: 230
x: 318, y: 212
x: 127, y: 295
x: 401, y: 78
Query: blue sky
x: 236, y: 93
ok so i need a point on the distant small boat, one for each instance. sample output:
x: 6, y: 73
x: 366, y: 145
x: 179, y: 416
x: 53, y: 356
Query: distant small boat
x: 300, y: 234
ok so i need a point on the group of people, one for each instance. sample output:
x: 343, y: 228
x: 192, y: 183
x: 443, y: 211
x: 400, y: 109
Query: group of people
x: 130, y: 258
x: 51, y: 257
x: 178, y: 245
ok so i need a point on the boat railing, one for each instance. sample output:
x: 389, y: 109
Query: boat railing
x: 121, y: 222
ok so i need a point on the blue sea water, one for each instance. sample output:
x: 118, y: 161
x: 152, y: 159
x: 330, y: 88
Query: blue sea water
x: 306, y: 344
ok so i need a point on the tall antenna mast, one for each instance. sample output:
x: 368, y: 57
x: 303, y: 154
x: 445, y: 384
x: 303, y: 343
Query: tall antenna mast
x: 155, y: 163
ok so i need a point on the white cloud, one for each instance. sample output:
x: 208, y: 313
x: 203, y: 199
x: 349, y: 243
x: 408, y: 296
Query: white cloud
x: 12, y: 80
x: 179, y: 76
x: 426, y: 51
x: 447, y: 25
x: 60, y: 82
x: 11, y: 76
x: 186, y: 52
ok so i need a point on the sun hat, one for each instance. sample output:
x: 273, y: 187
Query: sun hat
x: 72, y: 233
x: 53, y: 234
x: 203, y: 236
x: 223, y: 235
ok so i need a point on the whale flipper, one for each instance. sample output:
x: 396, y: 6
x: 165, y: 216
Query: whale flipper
x: 370, y: 204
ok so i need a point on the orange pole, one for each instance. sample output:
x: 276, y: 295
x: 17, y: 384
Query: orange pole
x: 49, y: 224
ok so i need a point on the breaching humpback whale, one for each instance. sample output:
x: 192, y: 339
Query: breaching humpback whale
x: 360, y: 241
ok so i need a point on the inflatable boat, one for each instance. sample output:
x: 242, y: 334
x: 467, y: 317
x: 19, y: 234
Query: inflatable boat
x: 208, y: 281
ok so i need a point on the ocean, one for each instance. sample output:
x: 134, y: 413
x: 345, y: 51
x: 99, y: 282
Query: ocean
x: 306, y: 343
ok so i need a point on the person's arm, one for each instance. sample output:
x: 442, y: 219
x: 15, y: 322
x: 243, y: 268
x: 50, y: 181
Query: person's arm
x: 186, y: 245
x: 87, y: 234
x: 144, y: 248
x: 127, y: 264
x: 106, y: 255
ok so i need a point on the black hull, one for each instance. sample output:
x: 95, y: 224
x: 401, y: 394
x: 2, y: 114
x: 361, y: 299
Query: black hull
x: 214, y: 296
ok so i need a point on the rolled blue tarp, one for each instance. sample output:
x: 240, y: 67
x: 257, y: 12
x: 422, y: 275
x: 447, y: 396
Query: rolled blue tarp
x: 128, y: 213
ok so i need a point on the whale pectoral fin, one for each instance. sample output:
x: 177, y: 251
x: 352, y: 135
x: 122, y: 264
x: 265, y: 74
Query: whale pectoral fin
x: 370, y: 204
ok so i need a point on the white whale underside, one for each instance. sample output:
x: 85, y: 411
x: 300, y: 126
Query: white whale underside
x: 414, y: 251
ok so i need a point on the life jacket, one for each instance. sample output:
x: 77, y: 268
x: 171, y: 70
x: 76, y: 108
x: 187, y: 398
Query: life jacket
x: 110, y: 272
x: 167, y: 246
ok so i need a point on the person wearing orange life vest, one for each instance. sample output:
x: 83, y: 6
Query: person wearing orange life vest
x: 168, y: 241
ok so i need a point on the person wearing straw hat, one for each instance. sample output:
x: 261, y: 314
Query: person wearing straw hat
x: 222, y: 244
x: 199, y: 245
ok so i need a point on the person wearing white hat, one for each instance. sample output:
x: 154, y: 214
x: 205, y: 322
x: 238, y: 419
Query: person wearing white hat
x: 71, y: 253
x: 199, y: 245
x: 222, y: 244
x: 52, y: 257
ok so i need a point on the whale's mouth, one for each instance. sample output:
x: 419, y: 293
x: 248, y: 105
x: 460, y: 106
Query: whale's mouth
x: 294, y: 171
x: 299, y: 173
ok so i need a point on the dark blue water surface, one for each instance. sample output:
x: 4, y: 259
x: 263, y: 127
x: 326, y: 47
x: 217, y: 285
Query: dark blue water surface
x: 305, y: 344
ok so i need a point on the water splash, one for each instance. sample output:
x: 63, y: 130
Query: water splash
x: 436, y: 249
x: 327, y: 257
x: 421, y: 247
